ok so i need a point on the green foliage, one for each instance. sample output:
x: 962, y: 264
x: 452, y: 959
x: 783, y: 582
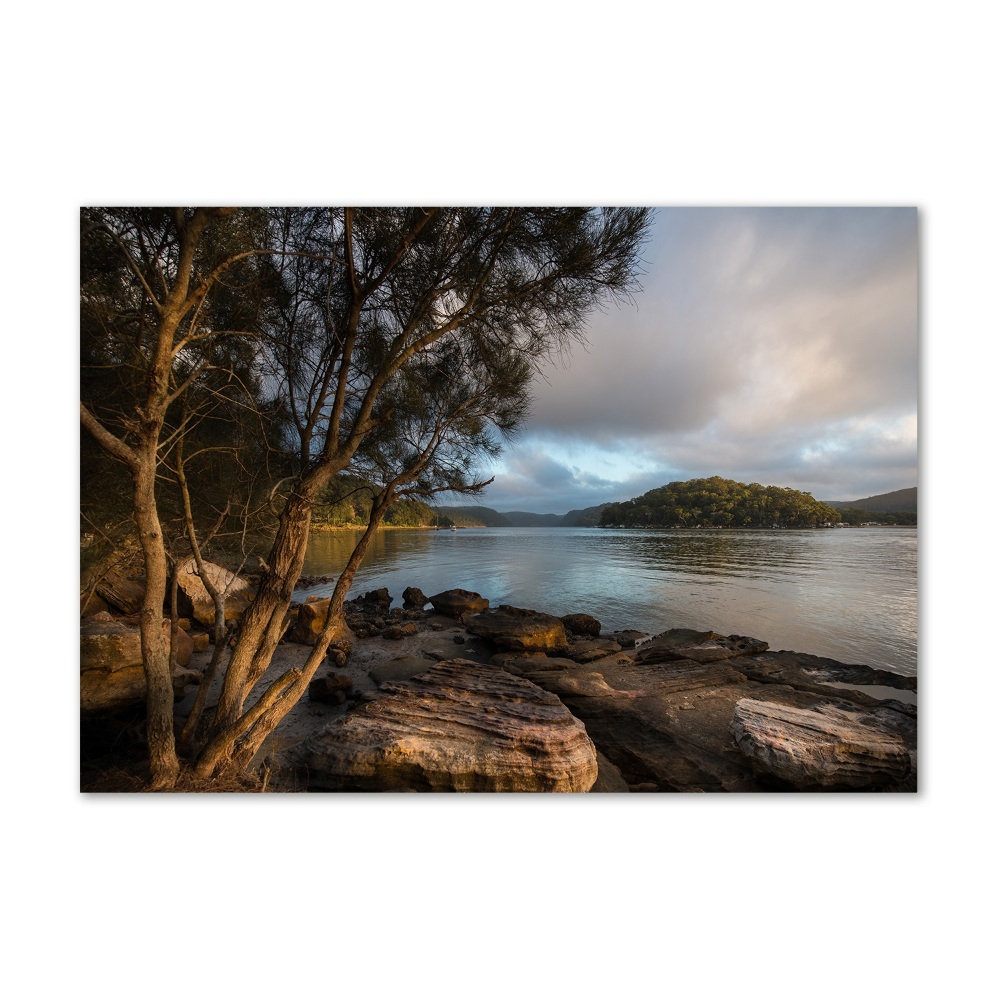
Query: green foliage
x: 855, y: 516
x: 719, y: 503
x: 347, y: 502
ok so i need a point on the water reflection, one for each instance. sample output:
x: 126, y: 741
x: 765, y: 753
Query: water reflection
x: 849, y: 594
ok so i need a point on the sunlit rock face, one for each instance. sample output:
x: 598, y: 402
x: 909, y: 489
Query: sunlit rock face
x: 311, y: 620
x: 457, y: 602
x: 825, y: 748
x: 196, y: 600
x: 459, y: 726
x: 520, y: 629
x: 111, y: 672
x: 701, y: 647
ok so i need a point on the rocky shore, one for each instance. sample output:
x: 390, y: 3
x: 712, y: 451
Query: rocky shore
x: 448, y: 694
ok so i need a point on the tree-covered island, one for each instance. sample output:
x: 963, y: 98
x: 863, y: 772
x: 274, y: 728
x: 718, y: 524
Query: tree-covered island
x: 720, y: 503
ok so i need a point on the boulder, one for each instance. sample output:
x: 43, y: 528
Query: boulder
x: 403, y: 631
x: 310, y: 621
x: 520, y: 629
x: 702, y: 647
x: 111, y: 673
x: 330, y: 689
x: 826, y: 748
x: 124, y: 590
x: 377, y: 600
x: 580, y: 624
x: 414, y: 597
x: 457, y: 602
x: 196, y: 600
x: 459, y: 726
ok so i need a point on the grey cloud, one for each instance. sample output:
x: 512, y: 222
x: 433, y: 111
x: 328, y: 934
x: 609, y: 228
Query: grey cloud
x: 761, y: 337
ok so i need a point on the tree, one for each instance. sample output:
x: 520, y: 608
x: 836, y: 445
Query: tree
x: 151, y: 289
x: 408, y: 338
x: 399, y: 345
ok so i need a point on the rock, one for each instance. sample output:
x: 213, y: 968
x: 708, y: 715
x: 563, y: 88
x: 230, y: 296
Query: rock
x: 702, y: 647
x: 457, y: 602
x: 459, y: 726
x: 331, y: 689
x: 580, y: 624
x: 609, y: 778
x: 123, y: 590
x: 310, y: 622
x: 183, y: 647
x: 826, y: 748
x: 414, y: 597
x: 379, y: 599
x: 579, y: 682
x: 339, y: 650
x: 196, y: 601
x: 201, y: 642
x: 111, y: 673
x: 628, y: 638
x: 520, y: 629
x: 398, y: 632
x: 92, y: 604
x: 586, y: 650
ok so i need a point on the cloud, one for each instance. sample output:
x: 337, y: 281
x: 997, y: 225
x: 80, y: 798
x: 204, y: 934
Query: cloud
x: 781, y: 343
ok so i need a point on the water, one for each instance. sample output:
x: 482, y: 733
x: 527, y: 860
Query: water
x: 850, y: 594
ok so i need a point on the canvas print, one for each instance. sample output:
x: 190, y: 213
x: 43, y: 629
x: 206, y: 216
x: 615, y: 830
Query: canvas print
x: 499, y: 499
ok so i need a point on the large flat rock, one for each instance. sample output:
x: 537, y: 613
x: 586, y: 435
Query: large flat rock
x: 824, y: 748
x: 459, y: 726
x: 520, y: 629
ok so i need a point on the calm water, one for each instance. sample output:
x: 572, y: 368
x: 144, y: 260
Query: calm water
x: 850, y: 594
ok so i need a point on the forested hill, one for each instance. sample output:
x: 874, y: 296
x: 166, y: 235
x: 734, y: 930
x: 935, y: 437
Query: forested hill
x: 487, y: 517
x: 718, y: 502
x: 897, y: 501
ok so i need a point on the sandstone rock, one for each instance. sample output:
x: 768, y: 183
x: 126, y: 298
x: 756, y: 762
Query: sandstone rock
x: 586, y: 650
x: 457, y: 602
x: 111, y: 673
x: 826, y: 748
x: 579, y: 682
x: 310, y: 621
x: 628, y: 638
x: 330, y: 689
x: 92, y: 604
x: 460, y: 726
x: 520, y: 629
x: 398, y: 632
x: 702, y: 647
x: 183, y: 647
x: 379, y: 599
x: 123, y: 590
x: 201, y: 642
x: 581, y: 624
x: 196, y: 600
x: 414, y: 597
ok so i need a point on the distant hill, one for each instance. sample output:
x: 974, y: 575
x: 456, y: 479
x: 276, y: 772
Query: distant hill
x: 525, y: 519
x: 589, y: 517
x: 883, y: 503
x: 474, y: 517
x: 487, y: 517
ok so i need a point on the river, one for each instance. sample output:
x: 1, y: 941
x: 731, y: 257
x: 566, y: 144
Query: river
x: 849, y: 593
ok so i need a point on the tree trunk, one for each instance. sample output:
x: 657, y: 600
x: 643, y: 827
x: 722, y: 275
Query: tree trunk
x: 236, y: 745
x: 155, y: 642
x: 263, y: 624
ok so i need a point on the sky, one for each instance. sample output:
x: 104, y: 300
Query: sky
x: 770, y: 345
